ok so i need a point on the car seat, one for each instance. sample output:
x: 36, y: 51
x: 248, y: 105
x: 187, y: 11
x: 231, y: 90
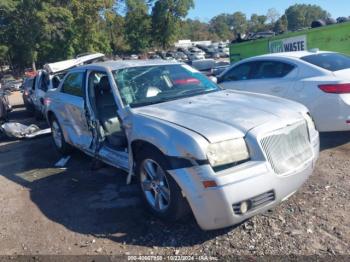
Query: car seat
x: 107, y: 114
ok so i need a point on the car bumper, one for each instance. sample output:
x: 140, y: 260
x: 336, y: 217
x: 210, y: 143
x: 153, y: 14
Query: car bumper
x: 336, y: 117
x: 215, y: 207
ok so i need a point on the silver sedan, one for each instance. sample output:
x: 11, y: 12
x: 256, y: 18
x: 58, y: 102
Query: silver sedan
x: 193, y: 147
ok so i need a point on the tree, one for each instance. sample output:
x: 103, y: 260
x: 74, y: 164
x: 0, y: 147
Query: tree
x: 220, y: 25
x: 238, y: 23
x: 137, y: 25
x: 196, y: 31
x: 56, y: 34
x: 272, y: 16
x: 21, y: 30
x: 88, y: 36
x: 115, y: 29
x: 3, y: 55
x: 166, y: 18
x: 257, y: 23
x: 281, y: 25
x: 302, y: 15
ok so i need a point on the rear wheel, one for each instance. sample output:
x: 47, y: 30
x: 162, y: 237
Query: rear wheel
x: 160, y: 192
x: 58, y: 138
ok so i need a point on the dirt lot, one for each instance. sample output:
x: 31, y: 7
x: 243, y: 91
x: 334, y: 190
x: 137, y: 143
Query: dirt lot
x: 48, y: 210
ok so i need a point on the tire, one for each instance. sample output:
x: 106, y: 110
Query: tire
x: 58, y: 139
x: 171, y: 205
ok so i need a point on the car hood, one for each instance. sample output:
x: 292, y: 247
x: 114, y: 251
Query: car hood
x: 223, y: 115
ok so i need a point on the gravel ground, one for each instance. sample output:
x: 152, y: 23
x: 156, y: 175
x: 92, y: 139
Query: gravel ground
x: 76, y: 211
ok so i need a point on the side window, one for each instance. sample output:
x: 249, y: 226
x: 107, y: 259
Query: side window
x: 44, y: 82
x: 34, y: 82
x: 238, y: 73
x: 99, y: 91
x: 271, y: 69
x: 73, y: 84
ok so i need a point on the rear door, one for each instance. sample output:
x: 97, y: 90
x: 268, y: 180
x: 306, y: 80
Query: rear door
x: 73, y: 114
x: 271, y: 77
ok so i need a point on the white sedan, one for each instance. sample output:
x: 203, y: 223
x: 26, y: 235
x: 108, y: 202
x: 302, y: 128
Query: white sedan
x: 319, y: 80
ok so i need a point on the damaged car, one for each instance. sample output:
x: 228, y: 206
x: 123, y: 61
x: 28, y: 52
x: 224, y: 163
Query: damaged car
x: 5, y: 106
x: 193, y: 147
x: 50, y: 76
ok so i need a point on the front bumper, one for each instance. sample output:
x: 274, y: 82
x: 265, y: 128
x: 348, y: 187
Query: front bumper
x: 213, y: 207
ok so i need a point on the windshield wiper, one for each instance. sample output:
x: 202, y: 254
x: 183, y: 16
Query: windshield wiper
x: 147, y: 103
x: 196, y: 92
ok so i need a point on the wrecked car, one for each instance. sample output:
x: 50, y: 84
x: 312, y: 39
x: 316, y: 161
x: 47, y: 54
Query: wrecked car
x: 5, y: 106
x: 50, y: 76
x: 193, y: 147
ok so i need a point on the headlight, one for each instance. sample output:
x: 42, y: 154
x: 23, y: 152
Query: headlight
x: 227, y: 152
x: 310, y: 122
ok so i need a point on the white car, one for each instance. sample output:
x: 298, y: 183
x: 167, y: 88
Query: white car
x: 319, y: 80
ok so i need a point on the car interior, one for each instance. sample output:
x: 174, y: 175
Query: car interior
x: 106, y: 110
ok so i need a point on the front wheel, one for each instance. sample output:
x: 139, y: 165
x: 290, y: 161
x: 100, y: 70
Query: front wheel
x: 58, y: 138
x: 160, y: 192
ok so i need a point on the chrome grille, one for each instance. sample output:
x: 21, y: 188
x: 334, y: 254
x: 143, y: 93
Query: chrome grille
x: 287, y: 148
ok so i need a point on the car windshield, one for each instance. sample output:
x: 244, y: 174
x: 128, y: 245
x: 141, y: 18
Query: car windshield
x: 330, y: 61
x: 140, y: 86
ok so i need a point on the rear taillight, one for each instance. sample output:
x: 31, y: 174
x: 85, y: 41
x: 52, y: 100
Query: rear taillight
x: 335, y: 88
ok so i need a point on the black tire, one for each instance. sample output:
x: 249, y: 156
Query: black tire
x: 63, y: 147
x: 178, y: 206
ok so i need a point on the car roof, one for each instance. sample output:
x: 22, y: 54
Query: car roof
x: 297, y: 54
x: 121, y: 64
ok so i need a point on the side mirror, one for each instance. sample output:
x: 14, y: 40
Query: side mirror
x: 213, y: 79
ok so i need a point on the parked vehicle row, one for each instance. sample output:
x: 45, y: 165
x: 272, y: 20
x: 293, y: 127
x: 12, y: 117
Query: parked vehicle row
x: 194, y: 53
x: 193, y: 147
x: 319, y: 80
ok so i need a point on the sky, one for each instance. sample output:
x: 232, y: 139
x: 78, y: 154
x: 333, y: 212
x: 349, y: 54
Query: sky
x: 206, y: 9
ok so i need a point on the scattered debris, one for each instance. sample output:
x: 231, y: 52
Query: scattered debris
x: 62, y: 162
x: 17, y: 130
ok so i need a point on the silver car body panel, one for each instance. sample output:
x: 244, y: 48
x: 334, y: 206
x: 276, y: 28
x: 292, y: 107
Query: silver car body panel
x: 184, y: 128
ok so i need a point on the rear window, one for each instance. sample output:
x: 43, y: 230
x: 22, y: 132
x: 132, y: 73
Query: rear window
x: 330, y: 61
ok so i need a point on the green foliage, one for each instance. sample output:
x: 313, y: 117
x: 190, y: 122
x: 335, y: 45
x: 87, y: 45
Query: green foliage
x: 196, y: 31
x: 257, y: 23
x: 281, y: 24
x: 221, y: 26
x: 302, y: 15
x: 137, y: 25
x: 166, y: 20
x: 3, y: 53
x: 87, y: 26
x: 41, y: 31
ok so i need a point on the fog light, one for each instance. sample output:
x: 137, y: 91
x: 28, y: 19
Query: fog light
x: 244, y: 207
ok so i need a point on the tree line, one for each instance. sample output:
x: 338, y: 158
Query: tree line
x: 34, y: 32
